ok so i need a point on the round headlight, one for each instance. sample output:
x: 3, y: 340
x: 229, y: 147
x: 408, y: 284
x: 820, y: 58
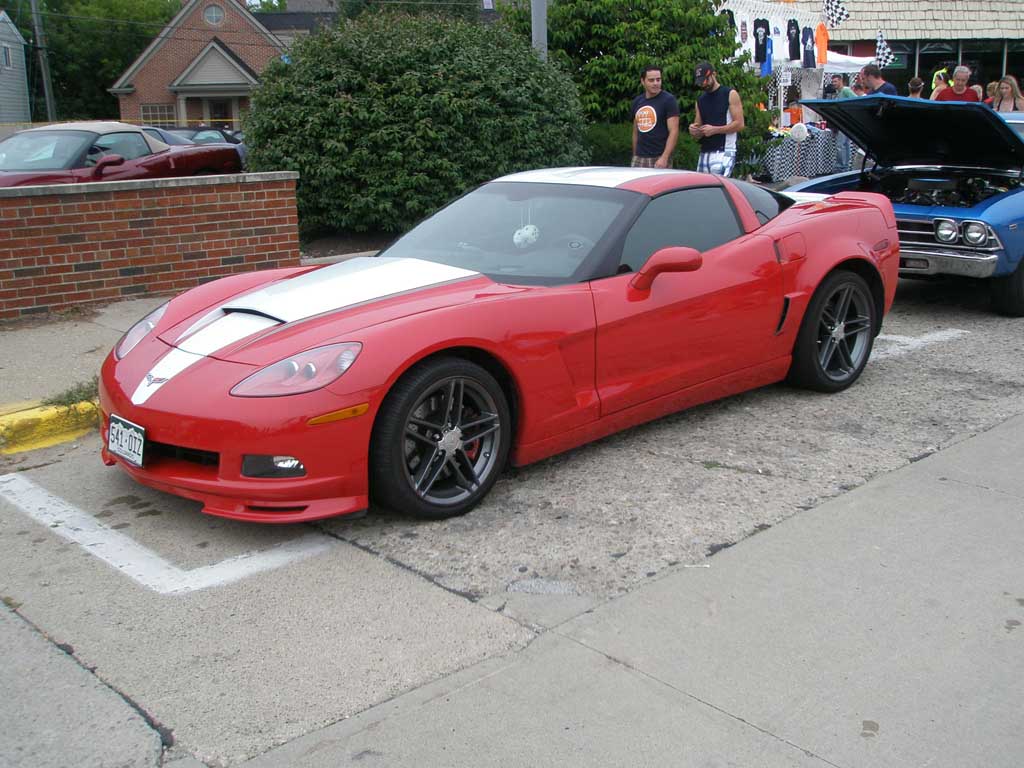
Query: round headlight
x: 945, y: 231
x: 975, y: 233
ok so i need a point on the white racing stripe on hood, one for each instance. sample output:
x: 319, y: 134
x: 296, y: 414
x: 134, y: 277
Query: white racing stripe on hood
x: 342, y: 285
x: 345, y: 284
x: 207, y: 340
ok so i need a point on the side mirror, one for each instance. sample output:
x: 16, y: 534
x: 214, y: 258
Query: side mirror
x: 672, y: 259
x: 107, y: 161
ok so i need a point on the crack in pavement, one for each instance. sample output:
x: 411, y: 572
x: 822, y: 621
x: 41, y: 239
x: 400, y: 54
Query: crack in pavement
x: 470, y: 596
x: 166, y: 734
x: 699, y: 700
x: 979, y: 486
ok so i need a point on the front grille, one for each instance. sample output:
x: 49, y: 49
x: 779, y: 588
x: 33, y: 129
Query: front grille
x: 921, y: 234
x: 916, y: 232
x: 192, y: 455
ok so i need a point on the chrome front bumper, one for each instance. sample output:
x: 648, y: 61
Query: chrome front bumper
x: 935, y: 261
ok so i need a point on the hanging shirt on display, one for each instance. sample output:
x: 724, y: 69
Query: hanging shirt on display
x: 807, y: 40
x: 821, y: 40
x: 766, y: 65
x: 793, y: 33
x: 760, y: 36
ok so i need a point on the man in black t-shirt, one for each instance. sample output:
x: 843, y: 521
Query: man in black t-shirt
x: 655, y: 115
x: 719, y: 117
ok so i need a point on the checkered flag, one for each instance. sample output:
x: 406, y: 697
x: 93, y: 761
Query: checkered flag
x: 835, y: 12
x: 883, y: 53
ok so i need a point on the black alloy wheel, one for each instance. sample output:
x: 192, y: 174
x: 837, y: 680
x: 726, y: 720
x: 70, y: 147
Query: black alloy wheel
x: 836, y: 335
x: 441, y: 439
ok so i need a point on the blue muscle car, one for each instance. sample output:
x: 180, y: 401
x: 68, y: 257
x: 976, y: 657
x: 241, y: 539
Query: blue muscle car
x: 953, y: 172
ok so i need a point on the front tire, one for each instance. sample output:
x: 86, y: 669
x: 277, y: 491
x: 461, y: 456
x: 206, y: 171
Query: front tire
x: 441, y: 440
x: 836, y: 335
x: 1008, y: 293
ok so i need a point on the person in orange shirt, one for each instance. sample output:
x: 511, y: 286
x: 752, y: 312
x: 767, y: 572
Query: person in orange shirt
x: 655, y: 114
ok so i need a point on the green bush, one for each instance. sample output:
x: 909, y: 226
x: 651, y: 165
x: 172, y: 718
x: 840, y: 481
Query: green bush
x: 389, y: 116
x: 612, y: 144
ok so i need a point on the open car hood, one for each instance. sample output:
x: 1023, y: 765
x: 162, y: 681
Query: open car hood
x: 893, y: 131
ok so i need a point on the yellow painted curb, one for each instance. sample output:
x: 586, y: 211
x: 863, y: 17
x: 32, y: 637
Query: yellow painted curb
x: 46, y: 425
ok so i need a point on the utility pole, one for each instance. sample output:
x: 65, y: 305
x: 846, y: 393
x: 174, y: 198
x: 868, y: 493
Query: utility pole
x: 539, y: 23
x: 44, y: 62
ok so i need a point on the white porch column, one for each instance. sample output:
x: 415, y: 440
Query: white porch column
x: 182, y: 110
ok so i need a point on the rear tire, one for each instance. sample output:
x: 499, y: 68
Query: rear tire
x: 836, y: 335
x: 441, y: 439
x: 1008, y: 293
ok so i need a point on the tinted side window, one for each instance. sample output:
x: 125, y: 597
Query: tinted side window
x: 766, y: 204
x: 128, y: 145
x: 700, y: 218
x: 208, y: 137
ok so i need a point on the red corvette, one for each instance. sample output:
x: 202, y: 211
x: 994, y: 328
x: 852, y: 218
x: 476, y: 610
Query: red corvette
x: 536, y: 313
x: 69, y: 153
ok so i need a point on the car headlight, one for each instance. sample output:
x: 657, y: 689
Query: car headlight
x: 945, y: 231
x: 138, y: 332
x: 975, y: 233
x: 304, y: 372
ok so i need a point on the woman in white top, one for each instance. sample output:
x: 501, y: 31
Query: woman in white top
x: 1008, y: 98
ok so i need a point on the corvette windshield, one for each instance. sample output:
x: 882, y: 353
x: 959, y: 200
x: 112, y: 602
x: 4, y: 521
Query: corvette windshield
x: 42, y: 150
x: 521, y: 231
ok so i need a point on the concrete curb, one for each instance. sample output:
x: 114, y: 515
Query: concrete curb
x: 45, y: 425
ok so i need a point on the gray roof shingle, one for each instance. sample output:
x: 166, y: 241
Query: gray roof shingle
x: 926, y: 19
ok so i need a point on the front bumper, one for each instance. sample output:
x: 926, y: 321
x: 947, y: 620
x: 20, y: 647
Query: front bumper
x: 934, y: 261
x: 199, y: 435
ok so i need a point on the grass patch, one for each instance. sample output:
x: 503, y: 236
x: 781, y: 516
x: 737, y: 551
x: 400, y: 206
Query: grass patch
x: 83, y: 390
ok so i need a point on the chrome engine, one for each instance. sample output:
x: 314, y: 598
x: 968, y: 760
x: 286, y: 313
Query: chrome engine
x: 956, y: 191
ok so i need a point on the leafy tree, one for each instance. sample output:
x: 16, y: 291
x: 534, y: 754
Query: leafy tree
x: 460, y: 9
x: 268, y: 6
x: 91, y: 43
x: 390, y: 116
x: 606, y: 43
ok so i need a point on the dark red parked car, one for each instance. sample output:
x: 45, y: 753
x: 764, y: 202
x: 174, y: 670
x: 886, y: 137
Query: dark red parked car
x: 68, y: 153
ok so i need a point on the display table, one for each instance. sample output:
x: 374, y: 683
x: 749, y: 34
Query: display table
x: 815, y: 156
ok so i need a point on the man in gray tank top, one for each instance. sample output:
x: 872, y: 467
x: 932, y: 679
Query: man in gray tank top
x: 719, y: 118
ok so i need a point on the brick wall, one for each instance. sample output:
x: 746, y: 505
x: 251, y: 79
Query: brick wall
x: 75, y: 244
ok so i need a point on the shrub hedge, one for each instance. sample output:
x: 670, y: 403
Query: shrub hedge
x: 390, y: 116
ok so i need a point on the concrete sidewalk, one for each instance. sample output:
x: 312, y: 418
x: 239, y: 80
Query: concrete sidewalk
x: 880, y: 629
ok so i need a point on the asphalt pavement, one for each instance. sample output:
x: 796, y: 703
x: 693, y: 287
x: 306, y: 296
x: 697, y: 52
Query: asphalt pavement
x: 882, y: 627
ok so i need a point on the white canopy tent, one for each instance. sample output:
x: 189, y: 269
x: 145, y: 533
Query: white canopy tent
x: 843, y: 64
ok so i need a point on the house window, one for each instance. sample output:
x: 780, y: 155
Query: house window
x: 7, y: 57
x: 214, y: 15
x: 159, y: 115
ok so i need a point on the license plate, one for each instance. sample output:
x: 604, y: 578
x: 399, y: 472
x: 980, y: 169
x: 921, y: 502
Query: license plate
x: 126, y: 440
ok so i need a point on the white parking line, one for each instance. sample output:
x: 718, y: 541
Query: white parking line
x: 138, y: 562
x: 895, y: 346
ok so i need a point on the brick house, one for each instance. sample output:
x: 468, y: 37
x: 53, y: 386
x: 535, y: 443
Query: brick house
x: 204, y: 64
x: 986, y: 35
